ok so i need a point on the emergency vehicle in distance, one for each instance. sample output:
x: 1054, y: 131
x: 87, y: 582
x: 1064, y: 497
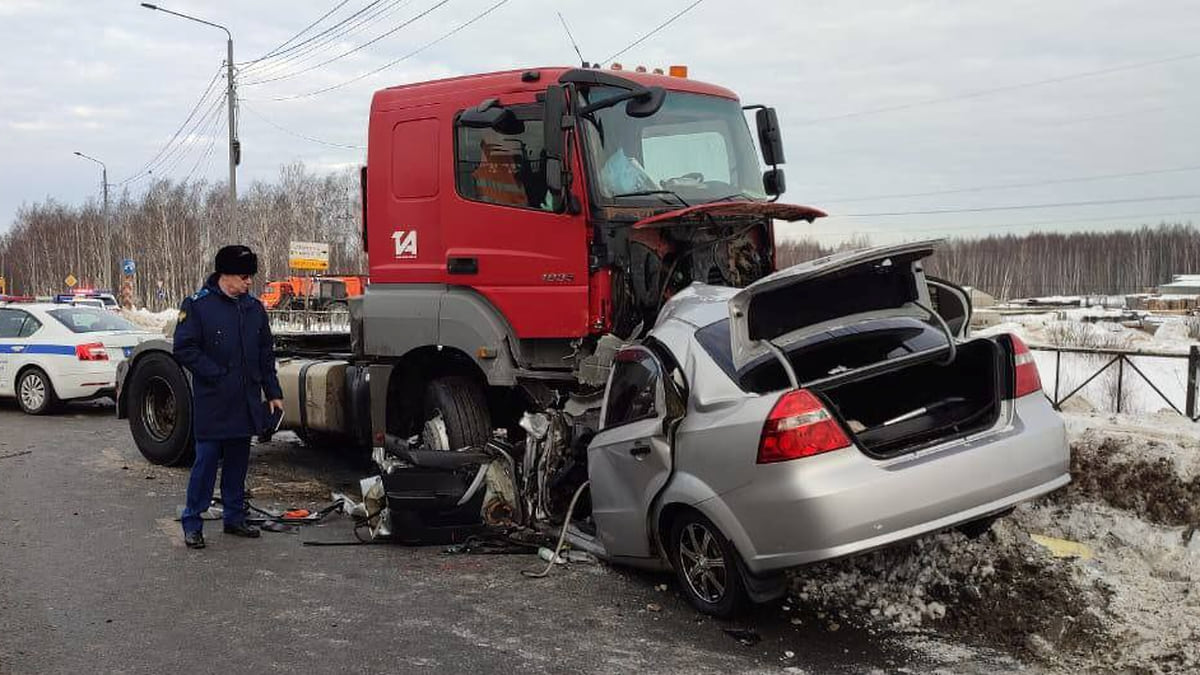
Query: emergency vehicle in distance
x: 55, y: 352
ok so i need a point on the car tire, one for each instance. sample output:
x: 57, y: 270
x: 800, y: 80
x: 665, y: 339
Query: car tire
x: 35, y: 392
x: 160, y: 411
x: 462, y: 406
x: 712, y: 587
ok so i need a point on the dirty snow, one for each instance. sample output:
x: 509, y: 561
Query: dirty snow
x: 1134, y: 606
x: 151, y: 321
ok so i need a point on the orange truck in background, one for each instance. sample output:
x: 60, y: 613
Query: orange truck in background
x: 321, y: 293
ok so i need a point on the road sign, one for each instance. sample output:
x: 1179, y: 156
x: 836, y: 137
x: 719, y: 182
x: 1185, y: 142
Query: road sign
x: 308, y: 255
x: 128, y: 267
x: 70, y: 281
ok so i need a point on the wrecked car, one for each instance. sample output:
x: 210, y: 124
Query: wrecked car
x: 827, y: 409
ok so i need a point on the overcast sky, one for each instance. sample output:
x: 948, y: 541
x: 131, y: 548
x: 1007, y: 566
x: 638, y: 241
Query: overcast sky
x: 877, y: 98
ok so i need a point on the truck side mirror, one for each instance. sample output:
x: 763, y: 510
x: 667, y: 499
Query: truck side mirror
x: 770, y: 138
x: 773, y: 182
x: 491, y: 115
x: 552, y: 141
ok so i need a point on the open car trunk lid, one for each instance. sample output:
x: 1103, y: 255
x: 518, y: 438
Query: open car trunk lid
x: 793, y: 303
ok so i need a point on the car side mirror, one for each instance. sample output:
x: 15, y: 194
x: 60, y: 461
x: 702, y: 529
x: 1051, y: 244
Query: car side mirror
x: 773, y: 182
x: 770, y: 137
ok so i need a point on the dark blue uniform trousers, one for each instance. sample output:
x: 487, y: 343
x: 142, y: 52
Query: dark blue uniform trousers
x: 234, y: 457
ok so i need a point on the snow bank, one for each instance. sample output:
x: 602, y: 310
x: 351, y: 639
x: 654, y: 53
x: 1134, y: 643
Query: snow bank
x: 152, y: 321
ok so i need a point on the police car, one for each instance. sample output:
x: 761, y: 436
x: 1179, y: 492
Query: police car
x: 52, y: 352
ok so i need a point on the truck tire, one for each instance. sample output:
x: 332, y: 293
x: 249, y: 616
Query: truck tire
x: 463, y: 408
x: 160, y: 411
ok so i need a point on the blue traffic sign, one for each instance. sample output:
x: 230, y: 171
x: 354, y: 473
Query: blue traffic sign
x: 128, y: 267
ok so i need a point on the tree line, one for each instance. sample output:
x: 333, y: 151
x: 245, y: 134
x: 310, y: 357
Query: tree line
x: 173, y: 230
x: 1042, y: 263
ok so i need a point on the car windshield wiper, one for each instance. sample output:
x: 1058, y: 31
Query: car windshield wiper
x: 648, y: 193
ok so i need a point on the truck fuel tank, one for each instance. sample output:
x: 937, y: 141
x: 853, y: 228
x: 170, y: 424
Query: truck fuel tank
x: 314, y: 394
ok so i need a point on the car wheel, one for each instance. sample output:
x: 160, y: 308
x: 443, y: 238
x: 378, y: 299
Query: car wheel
x: 35, y: 393
x: 455, y: 414
x: 160, y: 411
x: 707, y: 566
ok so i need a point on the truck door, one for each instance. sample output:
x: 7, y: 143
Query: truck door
x: 503, y: 238
x: 629, y: 461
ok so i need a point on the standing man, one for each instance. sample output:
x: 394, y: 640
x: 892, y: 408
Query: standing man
x: 223, y: 338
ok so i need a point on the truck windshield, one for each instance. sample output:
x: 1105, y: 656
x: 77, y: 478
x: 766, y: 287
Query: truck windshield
x: 696, y: 146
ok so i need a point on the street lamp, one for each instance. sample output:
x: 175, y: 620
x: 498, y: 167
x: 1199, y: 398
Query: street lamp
x: 231, y: 96
x: 107, y: 231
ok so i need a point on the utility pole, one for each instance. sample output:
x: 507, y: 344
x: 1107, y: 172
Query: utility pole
x: 107, y: 227
x: 231, y: 98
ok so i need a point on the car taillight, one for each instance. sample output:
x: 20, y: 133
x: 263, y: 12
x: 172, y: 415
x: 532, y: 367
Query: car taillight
x: 799, y: 426
x: 93, y: 351
x: 1028, y: 380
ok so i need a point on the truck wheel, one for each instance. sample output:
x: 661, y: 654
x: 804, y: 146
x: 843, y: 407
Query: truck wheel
x: 35, y: 393
x: 160, y: 411
x: 462, y: 407
x: 707, y: 566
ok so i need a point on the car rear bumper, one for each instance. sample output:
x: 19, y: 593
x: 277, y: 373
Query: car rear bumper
x: 97, y: 380
x: 845, y: 502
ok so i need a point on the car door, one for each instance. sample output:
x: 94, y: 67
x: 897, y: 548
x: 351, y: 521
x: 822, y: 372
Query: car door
x: 16, y: 327
x: 629, y: 460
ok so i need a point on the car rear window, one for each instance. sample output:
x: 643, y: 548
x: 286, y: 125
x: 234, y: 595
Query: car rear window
x: 824, y: 354
x: 89, y: 320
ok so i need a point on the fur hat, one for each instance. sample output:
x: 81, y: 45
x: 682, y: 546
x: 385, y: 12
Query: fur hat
x: 236, y: 259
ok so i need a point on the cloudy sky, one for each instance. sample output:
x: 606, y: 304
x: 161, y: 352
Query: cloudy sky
x: 888, y: 107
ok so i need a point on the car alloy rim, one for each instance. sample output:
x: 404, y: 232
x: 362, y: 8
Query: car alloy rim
x: 158, y: 409
x: 703, y: 562
x: 33, y: 392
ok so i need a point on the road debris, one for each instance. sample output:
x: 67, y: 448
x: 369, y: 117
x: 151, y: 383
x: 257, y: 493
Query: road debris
x: 1061, y: 548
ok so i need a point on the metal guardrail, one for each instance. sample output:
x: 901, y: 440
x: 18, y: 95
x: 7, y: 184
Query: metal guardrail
x: 1123, y: 357
x: 308, y: 321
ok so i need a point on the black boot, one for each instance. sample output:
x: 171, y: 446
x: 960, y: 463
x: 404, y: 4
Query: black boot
x: 242, y: 530
x: 194, y: 539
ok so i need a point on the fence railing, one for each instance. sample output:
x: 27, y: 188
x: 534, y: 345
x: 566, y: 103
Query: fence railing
x: 1122, y: 358
x: 308, y: 321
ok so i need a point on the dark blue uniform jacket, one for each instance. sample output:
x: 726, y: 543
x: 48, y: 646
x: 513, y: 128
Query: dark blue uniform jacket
x: 226, y: 343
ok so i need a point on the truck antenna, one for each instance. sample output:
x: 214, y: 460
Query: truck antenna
x: 572, y: 39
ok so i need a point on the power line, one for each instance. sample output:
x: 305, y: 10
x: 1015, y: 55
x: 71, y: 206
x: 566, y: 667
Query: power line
x: 1007, y: 88
x: 1016, y: 207
x: 304, y: 30
x: 1009, y: 186
x: 657, y: 28
x: 328, y: 41
x: 205, y: 128
x: 384, y: 67
x: 351, y: 51
x: 309, y: 39
x: 208, y: 90
x: 206, y: 156
x: 297, y: 134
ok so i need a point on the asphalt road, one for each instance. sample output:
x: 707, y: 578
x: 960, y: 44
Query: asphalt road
x: 94, y: 577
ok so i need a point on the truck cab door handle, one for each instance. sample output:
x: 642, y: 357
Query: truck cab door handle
x: 462, y: 265
x: 640, y: 449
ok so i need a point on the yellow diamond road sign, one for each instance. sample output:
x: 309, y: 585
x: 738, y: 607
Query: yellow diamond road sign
x: 70, y: 281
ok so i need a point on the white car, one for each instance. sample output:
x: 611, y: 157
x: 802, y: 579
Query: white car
x: 54, y: 352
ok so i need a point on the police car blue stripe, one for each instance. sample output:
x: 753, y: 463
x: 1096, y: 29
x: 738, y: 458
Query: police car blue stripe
x: 67, y: 350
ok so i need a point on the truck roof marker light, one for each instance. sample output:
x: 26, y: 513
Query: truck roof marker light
x: 658, y: 71
x: 679, y: 71
x: 617, y: 66
x: 640, y: 69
